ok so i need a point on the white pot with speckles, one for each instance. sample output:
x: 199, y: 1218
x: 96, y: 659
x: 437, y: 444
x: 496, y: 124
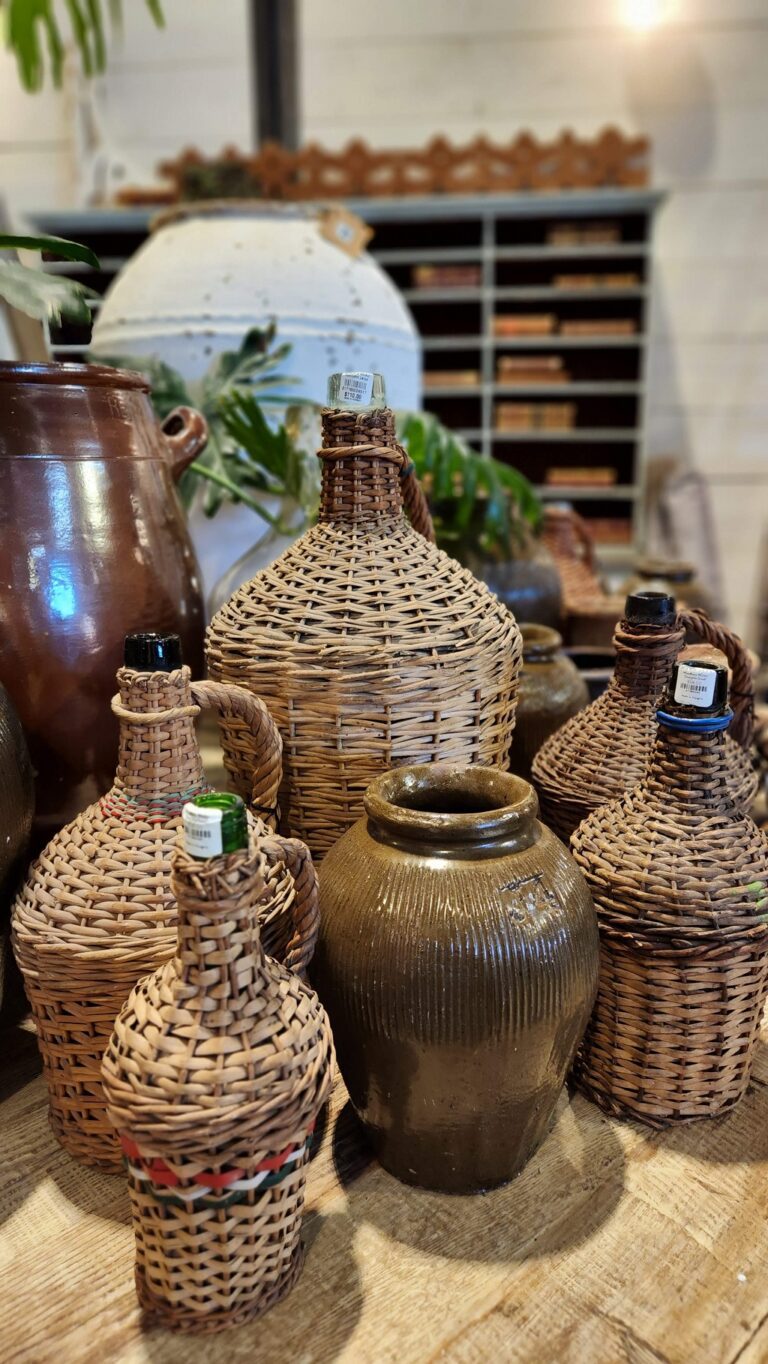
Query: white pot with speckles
x: 210, y: 272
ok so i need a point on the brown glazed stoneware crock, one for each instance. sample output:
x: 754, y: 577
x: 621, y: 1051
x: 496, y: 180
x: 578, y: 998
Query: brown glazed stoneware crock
x: 93, y: 546
x: 17, y: 803
x: 551, y: 691
x: 458, y: 960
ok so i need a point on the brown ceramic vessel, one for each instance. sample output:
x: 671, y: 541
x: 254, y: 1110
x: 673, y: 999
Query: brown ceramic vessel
x: 458, y: 960
x: 93, y: 545
x: 551, y: 691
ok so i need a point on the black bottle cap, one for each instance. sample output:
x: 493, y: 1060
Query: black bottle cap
x: 148, y: 652
x: 697, y: 687
x: 650, y: 608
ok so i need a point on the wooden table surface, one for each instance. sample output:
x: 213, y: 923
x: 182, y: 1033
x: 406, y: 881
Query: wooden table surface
x: 614, y: 1244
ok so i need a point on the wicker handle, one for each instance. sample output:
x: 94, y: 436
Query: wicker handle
x: 238, y: 710
x: 186, y: 435
x: 414, y: 499
x: 306, y: 904
x: 584, y: 537
x: 742, y: 686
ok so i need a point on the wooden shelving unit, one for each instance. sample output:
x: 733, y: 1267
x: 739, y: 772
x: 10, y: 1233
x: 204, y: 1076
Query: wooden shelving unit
x: 509, y: 239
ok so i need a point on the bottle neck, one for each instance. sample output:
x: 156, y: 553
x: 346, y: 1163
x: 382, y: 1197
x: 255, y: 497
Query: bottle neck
x: 360, y: 487
x: 222, y: 962
x: 159, y: 765
x: 645, y: 655
x: 688, y: 768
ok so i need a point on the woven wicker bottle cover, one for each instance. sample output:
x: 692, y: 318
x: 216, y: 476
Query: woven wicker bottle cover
x: 97, y: 910
x: 680, y: 882
x: 604, y: 750
x: 215, y: 1073
x: 371, y: 647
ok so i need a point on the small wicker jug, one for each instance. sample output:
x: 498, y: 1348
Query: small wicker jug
x: 372, y: 648
x: 97, y: 912
x: 604, y: 750
x: 215, y: 1073
x: 680, y: 882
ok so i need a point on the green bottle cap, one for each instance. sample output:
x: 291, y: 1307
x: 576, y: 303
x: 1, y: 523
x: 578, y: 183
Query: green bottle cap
x: 214, y: 823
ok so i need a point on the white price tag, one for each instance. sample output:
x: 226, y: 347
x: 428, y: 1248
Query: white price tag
x: 202, y: 831
x: 695, y: 686
x: 356, y: 388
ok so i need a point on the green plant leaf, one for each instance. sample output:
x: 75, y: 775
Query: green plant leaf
x: 33, y: 26
x: 46, y: 297
x: 58, y: 246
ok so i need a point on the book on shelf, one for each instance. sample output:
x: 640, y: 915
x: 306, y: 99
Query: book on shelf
x: 535, y: 416
x: 599, y: 326
x: 446, y: 276
x: 571, y: 234
x: 524, y: 324
x: 594, y: 477
x: 513, y: 364
x: 628, y: 280
x: 451, y: 378
x: 610, y: 530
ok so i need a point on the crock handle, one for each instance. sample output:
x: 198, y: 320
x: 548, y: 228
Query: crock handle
x: 306, y: 905
x: 186, y: 435
x: 253, y: 734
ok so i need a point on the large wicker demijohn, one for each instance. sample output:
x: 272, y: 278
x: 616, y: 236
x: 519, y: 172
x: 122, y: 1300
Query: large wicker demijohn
x: 371, y: 647
x: 680, y: 882
x: 604, y: 750
x: 97, y: 912
x: 457, y: 958
x: 215, y: 1074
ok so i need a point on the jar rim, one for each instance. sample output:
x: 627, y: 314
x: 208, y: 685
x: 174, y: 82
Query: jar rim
x: 449, y: 803
x: 79, y: 375
x: 539, y: 640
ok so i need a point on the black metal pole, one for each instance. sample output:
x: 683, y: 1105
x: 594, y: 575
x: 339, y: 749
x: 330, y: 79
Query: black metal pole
x: 274, y: 42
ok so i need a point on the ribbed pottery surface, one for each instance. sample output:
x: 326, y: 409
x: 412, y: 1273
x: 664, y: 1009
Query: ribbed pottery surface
x: 458, y: 991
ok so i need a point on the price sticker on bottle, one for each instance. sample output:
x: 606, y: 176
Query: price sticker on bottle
x: 202, y: 831
x: 695, y: 686
x: 356, y: 388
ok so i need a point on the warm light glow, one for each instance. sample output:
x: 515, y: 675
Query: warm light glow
x: 644, y: 14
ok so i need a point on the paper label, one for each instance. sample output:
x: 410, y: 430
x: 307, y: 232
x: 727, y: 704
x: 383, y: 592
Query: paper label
x: 202, y: 831
x: 695, y: 686
x: 356, y: 388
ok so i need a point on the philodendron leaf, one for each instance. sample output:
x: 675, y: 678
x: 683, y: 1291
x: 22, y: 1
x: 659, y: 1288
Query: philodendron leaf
x: 56, y: 246
x: 46, y: 297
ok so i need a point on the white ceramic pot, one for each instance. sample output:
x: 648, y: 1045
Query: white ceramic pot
x: 208, y: 274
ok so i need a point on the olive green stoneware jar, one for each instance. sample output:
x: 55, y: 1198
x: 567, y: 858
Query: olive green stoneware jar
x: 551, y: 691
x: 458, y: 960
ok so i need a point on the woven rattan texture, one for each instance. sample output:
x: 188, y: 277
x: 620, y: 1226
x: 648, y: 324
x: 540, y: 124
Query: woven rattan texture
x: 97, y: 912
x: 569, y: 541
x: 680, y: 882
x: 371, y: 647
x: 604, y: 750
x: 215, y: 1074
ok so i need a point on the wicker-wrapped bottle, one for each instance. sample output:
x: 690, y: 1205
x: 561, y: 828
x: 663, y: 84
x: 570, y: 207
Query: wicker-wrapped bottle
x: 604, y: 750
x: 215, y: 1074
x: 97, y: 911
x: 680, y: 882
x: 372, y: 648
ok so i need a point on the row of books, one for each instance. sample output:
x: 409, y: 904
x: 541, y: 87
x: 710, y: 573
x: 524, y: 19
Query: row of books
x: 548, y: 324
x: 470, y: 277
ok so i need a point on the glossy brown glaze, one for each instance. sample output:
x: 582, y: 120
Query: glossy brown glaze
x: 458, y: 960
x: 551, y: 691
x: 93, y: 545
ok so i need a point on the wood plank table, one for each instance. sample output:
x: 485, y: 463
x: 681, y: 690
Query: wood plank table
x: 614, y: 1244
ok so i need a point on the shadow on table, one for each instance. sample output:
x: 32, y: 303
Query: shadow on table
x: 570, y: 1186
x: 31, y: 1152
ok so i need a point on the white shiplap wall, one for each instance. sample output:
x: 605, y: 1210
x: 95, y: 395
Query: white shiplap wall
x: 698, y: 85
x: 396, y: 73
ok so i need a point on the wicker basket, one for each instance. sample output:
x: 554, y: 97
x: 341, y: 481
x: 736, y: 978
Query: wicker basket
x: 97, y: 911
x: 680, y: 882
x: 604, y: 750
x: 569, y: 541
x: 371, y: 647
x: 216, y: 1071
